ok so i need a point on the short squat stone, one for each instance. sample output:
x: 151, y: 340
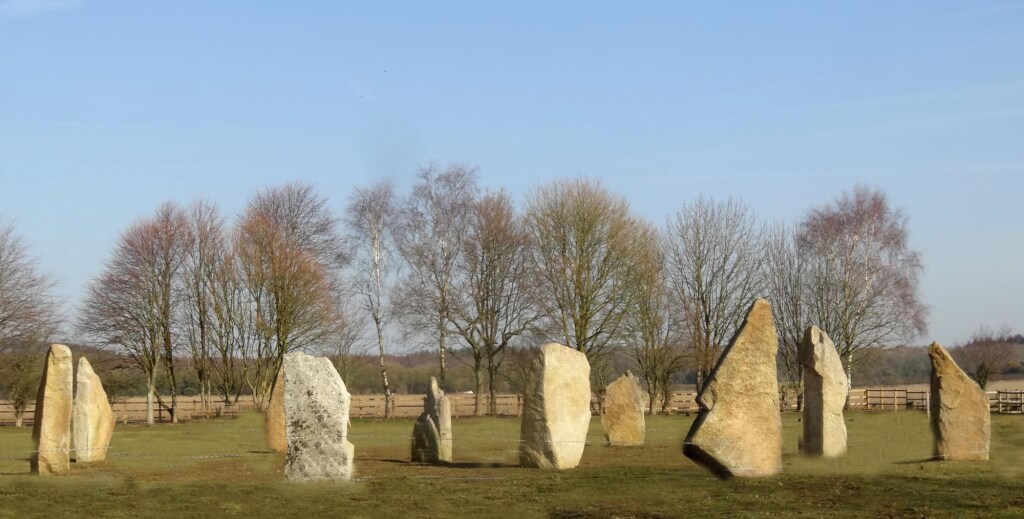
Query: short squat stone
x: 622, y: 416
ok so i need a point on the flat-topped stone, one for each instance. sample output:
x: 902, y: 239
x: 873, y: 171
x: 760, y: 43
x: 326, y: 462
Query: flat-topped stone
x: 556, y: 409
x: 316, y: 407
x: 825, y: 390
x: 51, y: 432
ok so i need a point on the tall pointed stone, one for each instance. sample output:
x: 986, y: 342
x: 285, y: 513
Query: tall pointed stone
x: 432, y: 433
x: 825, y: 390
x: 959, y: 410
x: 277, y: 436
x: 316, y: 406
x: 93, y: 417
x: 739, y: 429
x: 51, y: 433
x: 556, y: 409
x: 622, y: 416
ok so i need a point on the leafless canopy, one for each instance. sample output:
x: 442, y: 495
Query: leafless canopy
x: 494, y: 287
x: 289, y: 254
x: 861, y: 275
x: 133, y: 303
x: 431, y: 235
x: 369, y: 219
x: 987, y: 353
x: 714, y: 258
x: 28, y: 310
x: 655, y: 324
x: 584, y: 248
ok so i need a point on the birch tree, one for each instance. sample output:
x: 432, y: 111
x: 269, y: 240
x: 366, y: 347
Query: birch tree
x: 433, y: 226
x: 861, y: 275
x: 369, y: 218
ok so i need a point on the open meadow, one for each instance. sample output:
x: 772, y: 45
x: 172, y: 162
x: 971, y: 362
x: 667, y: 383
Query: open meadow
x: 222, y: 468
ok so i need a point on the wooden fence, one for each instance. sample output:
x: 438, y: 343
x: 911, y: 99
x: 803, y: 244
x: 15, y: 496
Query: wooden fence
x: 133, y: 410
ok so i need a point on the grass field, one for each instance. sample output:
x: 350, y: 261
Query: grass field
x: 222, y: 468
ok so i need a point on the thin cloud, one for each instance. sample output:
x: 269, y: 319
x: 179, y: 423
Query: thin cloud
x: 31, y: 8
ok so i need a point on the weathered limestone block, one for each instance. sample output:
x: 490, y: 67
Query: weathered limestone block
x: 556, y: 409
x: 93, y: 418
x: 432, y: 433
x: 51, y: 433
x: 959, y: 410
x: 277, y: 437
x: 622, y: 416
x: 825, y: 390
x: 316, y: 405
x: 739, y: 429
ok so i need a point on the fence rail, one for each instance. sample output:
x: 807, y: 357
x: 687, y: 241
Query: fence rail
x: 133, y: 410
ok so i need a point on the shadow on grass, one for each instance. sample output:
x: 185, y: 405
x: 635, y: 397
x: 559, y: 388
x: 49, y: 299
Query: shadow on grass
x: 458, y: 465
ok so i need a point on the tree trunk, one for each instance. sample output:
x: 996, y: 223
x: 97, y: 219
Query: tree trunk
x: 478, y: 397
x: 19, y: 416
x: 442, y: 336
x: 492, y: 375
x: 149, y: 399
x: 383, y: 370
x: 652, y: 397
x: 849, y: 378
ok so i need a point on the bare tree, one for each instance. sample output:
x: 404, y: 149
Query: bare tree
x: 861, y: 275
x: 206, y: 244
x: 346, y: 346
x: 132, y: 304
x: 654, y: 325
x: 785, y: 285
x: 28, y: 311
x: 714, y: 258
x: 495, y: 286
x: 584, y: 246
x: 289, y: 255
x: 20, y: 371
x: 232, y: 324
x: 988, y: 352
x: 370, y: 218
x: 430, y: 238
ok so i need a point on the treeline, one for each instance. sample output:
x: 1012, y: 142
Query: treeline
x: 191, y: 294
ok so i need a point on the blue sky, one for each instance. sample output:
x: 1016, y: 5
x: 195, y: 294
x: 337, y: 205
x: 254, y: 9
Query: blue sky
x: 108, y: 108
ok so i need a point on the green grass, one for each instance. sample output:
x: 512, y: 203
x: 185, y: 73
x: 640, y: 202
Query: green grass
x: 222, y: 468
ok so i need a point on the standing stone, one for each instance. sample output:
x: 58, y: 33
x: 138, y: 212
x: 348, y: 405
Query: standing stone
x: 739, y: 429
x: 93, y: 418
x: 622, y: 416
x: 51, y: 433
x: 432, y: 433
x: 277, y: 437
x: 556, y: 409
x: 959, y: 410
x: 316, y: 405
x: 825, y: 392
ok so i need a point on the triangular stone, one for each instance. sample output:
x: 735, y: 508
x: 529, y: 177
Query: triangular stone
x: 739, y: 429
x: 93, y: 418
x: 959, y: 410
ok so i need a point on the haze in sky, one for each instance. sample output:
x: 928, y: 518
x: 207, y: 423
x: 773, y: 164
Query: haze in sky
x: 108, y: 108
